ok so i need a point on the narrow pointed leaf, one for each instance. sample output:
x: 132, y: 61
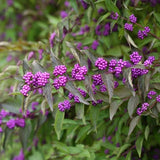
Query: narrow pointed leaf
x: 109, y: 83
x: 58, y: 123
x: 146, y: 132
x: 132, y: 104
x: 88, y: 85
x: 139, y: 144
x: 113, y: 107
x: 133, y: 124
x: 128, y: 76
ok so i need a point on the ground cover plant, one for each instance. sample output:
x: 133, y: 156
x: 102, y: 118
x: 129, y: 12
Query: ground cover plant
x: 80, y: 79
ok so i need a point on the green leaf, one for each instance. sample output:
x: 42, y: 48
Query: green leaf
x: 133, y: 124
x: 157, y: 17
x: 82, y: 133
x: 24, y: 133
x: 26, y: 67
x: 90, y: 56
x: 139, y: 143
x: 130, y: 40
x: 158, y: 107
x: 146, y: 132
x: 47, y: 92
x: 116, y: 50
x: 122, y: 149
x: 111, y: 6
x: 36, y: 155
x: 79, y: 110
x: 55, y: 60
x: 58, y: 123
x: 109, y: 83
x: 132, y: 104
x: 77, y: 54
x: 113, y: 108
x: 102, y: 18
x: 94, y: 114
x: 7, y: 134
x: 128, y: 157
x: 122, y: 92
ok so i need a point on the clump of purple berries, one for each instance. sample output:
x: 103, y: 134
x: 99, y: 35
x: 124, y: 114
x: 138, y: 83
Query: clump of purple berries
x: 114, y: 15
x: 132, y: 18
x: 128, y: 26
x: 101, y: 64
x: 62, y: 106
x: 60, y: 82
x: 158, y: 98
x: 135, y: 58
x: 150, y: 94
x: 33, y: 81
x: 142, y: 109
x: 59, y: 70
x: 79, y: 72
x: 143, y: 33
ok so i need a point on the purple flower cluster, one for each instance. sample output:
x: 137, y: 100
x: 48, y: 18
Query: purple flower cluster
x: 97, y: 79
x: 128, y: 26
x: 20, y: 156
x: 20, y: 122
x: 41, y: 79
x: 62, y: 106
x: 64, y: 14
x: 114, y: 15
x: 59, y: 82
x: 142, y: 109
x: 150, y: 94
x: 143, y: 33
x: 149, y: 61
x: 102, y: 88
x: 25, y: 89
x: 132, y: 18
x: 33, y: 81
x: 84, y: 4
x: 82, y: 92
x: 95, y: 44
x: 136, y: 72
x: 59, y: 70
x: 79, y: 72
x: 29, y: 78
x: 135, y: 58
x: 101, y: 64
x: 158, y: 98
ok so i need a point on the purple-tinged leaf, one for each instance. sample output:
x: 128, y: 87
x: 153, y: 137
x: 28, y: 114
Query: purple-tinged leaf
x: 128, y: 77
x: 114, y: 107
x: 132, y: 104
x: 109, y: 83
x: 133, y: 124
x: 88, y: 85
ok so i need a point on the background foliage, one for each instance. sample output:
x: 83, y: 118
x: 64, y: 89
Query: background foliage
x: 108, y: 130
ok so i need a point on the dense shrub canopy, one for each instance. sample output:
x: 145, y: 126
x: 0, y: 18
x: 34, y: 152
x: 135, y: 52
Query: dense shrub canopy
x: 80, y: 79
